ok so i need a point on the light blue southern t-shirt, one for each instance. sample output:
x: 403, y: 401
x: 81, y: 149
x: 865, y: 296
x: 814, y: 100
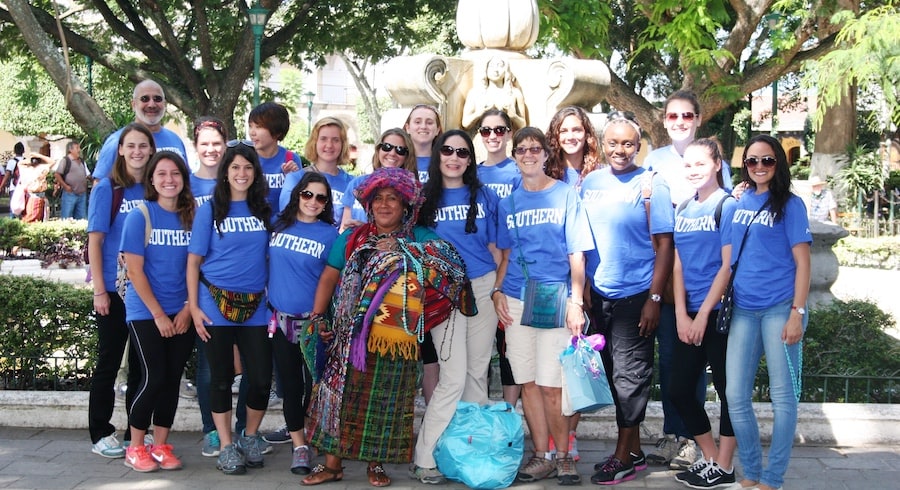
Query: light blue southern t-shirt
x: 450, y: 224
x: 271, y: 168
x: 98, y: 221
x: 234, y: 260
x: 670, y: 165
x: 501, y: 178
x: 699, y: 241
x: 622, y: 263
x: 202, y: 189
x: 163, y: 139
x: 357, y: 212
x: 297, y: 256
x: 337, y: 182
x: 765, y: 275
x: 165, y: 260
x: 422, y: 164
x: 546, y: 227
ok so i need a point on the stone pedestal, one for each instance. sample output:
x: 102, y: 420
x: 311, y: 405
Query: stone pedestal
x: 824, y: 269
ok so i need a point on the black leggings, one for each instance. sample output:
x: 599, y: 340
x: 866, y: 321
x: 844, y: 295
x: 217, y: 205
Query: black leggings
x: 296, y: 380
x: 162, y: 362
x: 255, y: 348
x: 689, y: 363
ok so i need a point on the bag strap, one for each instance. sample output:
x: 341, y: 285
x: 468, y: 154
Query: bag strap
x: 646, y: 194
x: 67, y: 167
x: 718, y: 214
x: 117, y: 197
x: 521, y: 259
x: 744, y: 239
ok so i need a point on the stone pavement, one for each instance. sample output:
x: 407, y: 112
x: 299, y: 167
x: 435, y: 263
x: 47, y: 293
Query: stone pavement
x: 61, y: 459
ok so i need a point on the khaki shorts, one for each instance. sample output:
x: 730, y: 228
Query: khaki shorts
x: 533, y: 353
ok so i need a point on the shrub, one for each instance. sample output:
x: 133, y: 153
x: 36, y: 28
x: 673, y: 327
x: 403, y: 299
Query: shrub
x: 59, y: 242
x: 10, y: 234
x: 44, y: 319
x: 879, y: 253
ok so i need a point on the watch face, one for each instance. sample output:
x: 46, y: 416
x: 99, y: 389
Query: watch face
x: 655, y: 298
x: 802, y: 311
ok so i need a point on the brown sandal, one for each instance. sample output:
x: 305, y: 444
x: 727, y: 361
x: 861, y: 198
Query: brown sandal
x: 377, y: 476
x: 323, y: 474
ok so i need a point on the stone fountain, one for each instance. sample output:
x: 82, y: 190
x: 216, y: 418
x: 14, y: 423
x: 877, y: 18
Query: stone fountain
x: 494, y: 71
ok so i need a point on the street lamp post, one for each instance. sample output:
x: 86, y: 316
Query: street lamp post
x: 309, y: 103
x: 258, y: 17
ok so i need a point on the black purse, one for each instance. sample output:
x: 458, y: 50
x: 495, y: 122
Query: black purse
x: 726, y: 310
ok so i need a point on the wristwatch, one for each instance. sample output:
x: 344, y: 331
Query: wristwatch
x: 799, y: 309
x: 655, y: 298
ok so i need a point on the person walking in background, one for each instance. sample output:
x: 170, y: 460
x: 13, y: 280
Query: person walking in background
x: 72, y: 177
x: 231, y: 232
x: 33, y: 181
x: 702, y: 268
x: 149, y: 104
x: 547, y: 250
x: 11, y: 172
x: 631, y: 222
x: 771, y: 286
x: 154, y: 243
x: 302, y: 238
x: 111, y: 199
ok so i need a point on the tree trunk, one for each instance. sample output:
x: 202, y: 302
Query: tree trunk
x: 83, y: 107
x: 367, y: 93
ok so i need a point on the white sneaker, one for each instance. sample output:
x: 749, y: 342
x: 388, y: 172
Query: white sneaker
x: 236, y: 386
x: 274, y: 400
x: 187, y: 390
x: 109, y: 447
x: 686, y: 455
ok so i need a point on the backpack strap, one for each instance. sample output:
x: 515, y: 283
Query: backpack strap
x: 117, y: 198
x: 718, y: 213
x: 148, y: 227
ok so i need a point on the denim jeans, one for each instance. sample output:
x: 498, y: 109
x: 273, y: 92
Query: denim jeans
x: 754, y: 333
x: 667, y: 336
x: 73, y: 205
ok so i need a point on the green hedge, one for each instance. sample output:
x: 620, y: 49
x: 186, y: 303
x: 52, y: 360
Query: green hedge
x: 43, y: 319
x: 60, y: 241
x: 877, y: 253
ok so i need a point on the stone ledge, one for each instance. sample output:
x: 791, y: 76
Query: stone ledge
x: 841, y: 424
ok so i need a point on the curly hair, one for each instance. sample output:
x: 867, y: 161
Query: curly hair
x: 434, y: 188
x: 590, y: 153
x: 256, y: 195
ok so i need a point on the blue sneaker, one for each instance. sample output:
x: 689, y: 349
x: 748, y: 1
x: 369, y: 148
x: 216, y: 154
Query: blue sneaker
x: 211, y: 444
x: 250, y: 447
x: 109, y: 447
x: 231, y: 461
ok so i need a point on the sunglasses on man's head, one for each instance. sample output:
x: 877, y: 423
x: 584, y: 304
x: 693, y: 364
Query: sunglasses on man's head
x: 460, y: 152
x: 686, y: 116
x: 765, y: 161
x: 234, y: 143
x: 320, y: 198
x: 534, y: 150
x: 156, y: 98
x: 499, y: 131
x: 387, y: 147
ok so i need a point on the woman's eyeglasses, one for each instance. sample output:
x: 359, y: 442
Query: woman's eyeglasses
x: 234, y: 143
x: 534, y: 150
x: 156, y: 98
x: 686, y: 116
x: 765, y: 161
x: 499, y: 131
x: 460, y: 152
x: 320, y: 198
x: 400, y: 150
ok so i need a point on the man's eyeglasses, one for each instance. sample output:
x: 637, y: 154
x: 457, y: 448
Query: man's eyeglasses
x: 400, y: 150
x: 522, y: 150
x: 765, y: 161
x: 320, y: 198
x: 686, y: 116
x: 234, y: 143
x: 460, y: 152
x: 156, y: 98
x: 499, y: 131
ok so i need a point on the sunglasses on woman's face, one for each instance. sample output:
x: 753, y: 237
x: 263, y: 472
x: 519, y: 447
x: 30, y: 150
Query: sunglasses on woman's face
x: 460, y: 152
x: 320, y: 198
x: 686, y: 116
x: 400, y: 150
x: 486, y: 131
x: 765, y: 161
x: 234, y: 143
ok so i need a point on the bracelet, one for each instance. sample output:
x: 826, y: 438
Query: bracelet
x: 491, y: 294
x: 99, y: 294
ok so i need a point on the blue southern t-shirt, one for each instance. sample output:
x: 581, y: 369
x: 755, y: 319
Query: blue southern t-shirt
x: 501, y: 178
x: 163, y: 139
x: 765, y: 275
x: 202, y: 189
x: 297, y: 256
x: 235, y: 260
x: 98, y: 221
x: 546, y: 227
x: 165, y: 260
x: 271, y: 169
x: 670, y: 165
x: 451, y: 226
x: 337, y: 182
x: 422, y: 164
x: 699, y: 243
x: 622, y: 263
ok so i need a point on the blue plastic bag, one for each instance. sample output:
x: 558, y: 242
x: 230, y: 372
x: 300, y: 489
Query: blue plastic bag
x: 584, y: 376
x: 483, y: 445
